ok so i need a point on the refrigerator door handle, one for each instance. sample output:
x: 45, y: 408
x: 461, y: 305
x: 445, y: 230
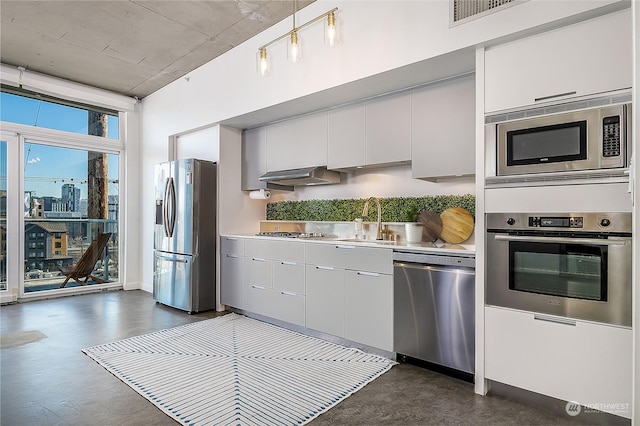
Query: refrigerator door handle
x: 170, y: 208
x: 165, y: 207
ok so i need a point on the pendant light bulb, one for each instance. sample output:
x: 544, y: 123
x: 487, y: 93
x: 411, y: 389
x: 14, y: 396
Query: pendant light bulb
x: 330, y: 30
x: 262, y: 62
x: 294, y: 50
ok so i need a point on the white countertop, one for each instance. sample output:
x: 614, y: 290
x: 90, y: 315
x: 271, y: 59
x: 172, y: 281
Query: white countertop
x: 438, y: 247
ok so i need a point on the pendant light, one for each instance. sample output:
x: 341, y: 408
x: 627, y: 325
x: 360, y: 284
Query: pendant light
x: 262, y: 62
x: 294, y: 42
x: 294, y: 49
x: 330, y: 30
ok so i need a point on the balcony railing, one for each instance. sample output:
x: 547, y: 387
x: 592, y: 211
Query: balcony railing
x: 53, y: 243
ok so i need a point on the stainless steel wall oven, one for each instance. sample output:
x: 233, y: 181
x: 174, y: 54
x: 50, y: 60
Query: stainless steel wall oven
x: 574, y: 265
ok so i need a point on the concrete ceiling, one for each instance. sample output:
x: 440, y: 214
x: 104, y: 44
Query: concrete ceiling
x: 132, y: 47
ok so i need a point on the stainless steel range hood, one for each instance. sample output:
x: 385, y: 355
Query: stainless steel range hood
x: 302, y: 177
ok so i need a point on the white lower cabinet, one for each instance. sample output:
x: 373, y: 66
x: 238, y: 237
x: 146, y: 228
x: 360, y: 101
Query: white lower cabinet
x: 232, y: 280
x: 353, y: 304
x: 232, y: 271
x: 342, y: 290
x: 274, y: 280
x: 325, y: 299
x: 586, y: 363
x: 369, y: 308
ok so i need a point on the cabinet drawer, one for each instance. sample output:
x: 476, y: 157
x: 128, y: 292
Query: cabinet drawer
x: 585, y: 362
x: 259, y: 272
x: 260, y: 300
x: 279, y: 250
x: 232, y: 245
x: 288, y: 276
x: 289, y: 307
x: 349, y: 256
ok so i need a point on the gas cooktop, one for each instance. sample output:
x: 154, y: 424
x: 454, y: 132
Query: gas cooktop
x: 291, y: 234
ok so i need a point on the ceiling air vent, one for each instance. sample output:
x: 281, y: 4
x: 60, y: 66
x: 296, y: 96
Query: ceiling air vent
x: 465, y: 10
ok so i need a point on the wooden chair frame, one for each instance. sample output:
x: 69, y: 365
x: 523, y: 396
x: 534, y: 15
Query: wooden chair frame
x: 87, y: 262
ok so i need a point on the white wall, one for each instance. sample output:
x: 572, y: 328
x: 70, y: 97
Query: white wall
x: 377, y: 36
x: 203, y: 144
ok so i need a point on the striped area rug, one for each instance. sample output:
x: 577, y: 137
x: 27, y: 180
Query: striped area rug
x: 234, y: 370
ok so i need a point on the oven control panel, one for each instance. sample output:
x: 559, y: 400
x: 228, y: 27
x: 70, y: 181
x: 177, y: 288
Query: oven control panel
x: 556, y: 222
x: 606, y: 222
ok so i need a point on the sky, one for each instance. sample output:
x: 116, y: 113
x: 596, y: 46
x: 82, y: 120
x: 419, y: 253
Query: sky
x: 47, y: 168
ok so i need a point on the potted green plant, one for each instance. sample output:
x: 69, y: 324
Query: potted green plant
x: 413, y: 230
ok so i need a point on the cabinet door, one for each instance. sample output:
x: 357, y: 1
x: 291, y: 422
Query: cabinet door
x: 325, y: 299
x: 346, y: 137
x: 232, y: 280
x: 298, y: 142
x: 369, y: 309
x: 254, y: 158
x: 582, y: 362
x: 388, y: 129
x: 443, y: 129
x: 589, y: 57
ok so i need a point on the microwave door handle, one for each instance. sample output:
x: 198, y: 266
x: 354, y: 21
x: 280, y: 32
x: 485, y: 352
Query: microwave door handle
x: 592, y: 241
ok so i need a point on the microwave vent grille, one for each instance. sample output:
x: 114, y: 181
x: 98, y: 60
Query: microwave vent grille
x: 558, y: 108
x: 558, y: 178
x: 466, y: 10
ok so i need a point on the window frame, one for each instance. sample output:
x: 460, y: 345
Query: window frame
x: 17, y: 135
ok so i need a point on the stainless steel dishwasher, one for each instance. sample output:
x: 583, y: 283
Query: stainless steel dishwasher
x: 434, y: 309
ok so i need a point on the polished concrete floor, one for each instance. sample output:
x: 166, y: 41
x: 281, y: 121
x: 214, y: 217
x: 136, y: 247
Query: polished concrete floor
x: 47, y: 380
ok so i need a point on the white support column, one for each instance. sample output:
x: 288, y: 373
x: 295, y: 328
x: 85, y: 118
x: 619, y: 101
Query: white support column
x: 481, y: 386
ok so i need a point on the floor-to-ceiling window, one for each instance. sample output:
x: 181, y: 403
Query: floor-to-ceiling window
x: 69, y: 159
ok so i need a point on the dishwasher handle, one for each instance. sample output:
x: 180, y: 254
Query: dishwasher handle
x: 434, y: 259
x: 436, y: 268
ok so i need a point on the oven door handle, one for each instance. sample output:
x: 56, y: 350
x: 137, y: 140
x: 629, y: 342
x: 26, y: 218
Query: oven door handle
x: 592, y: 241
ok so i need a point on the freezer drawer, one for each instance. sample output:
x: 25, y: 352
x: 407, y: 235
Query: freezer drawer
x: 172, y: 280
x: 434, y: 308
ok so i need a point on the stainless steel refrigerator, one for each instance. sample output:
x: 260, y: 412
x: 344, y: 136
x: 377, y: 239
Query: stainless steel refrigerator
x: 184, y: 275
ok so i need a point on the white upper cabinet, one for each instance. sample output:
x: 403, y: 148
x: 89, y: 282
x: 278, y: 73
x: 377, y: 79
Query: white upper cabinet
x: 586, y: 58
x: 346, y: 144
x: 443, y: 129
x: 371, y: 133
x: 388, y: 129
x: 254, y: 158
x: 298, y: 142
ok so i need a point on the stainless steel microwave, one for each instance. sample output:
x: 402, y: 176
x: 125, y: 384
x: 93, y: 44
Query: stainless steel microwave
x: 589, y: 139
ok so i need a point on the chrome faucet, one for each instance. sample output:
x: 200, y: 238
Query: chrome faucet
x: 365, y: 212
